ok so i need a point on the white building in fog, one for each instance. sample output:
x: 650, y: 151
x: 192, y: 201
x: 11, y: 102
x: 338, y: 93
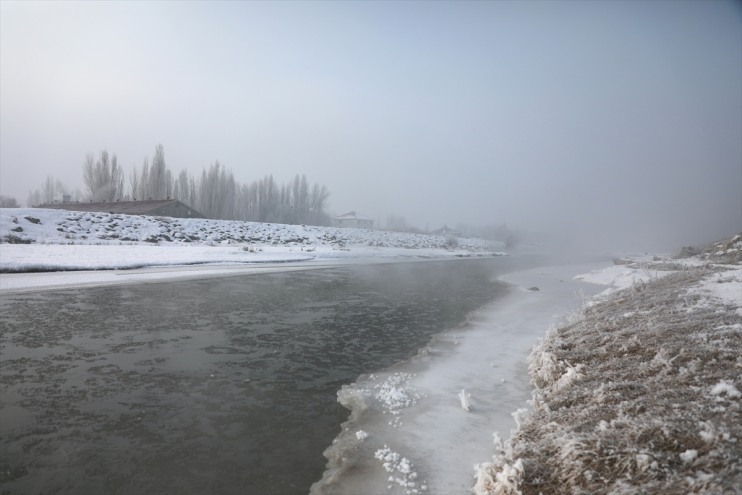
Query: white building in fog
x: 353, y: 220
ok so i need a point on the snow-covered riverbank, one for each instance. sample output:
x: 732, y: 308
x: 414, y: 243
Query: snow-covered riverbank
x: 640, y: 391
x: 42, y: 248
x: 34, y: 239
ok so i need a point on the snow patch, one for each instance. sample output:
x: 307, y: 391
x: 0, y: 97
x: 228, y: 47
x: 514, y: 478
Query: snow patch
x: 727, y: 388
x: 689, y: 455
x: 620, y: 277
x: 722, y: 287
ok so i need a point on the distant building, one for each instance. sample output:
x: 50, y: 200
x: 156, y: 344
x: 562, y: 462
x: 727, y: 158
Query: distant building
x: 353, y: 220
x: 446, y: 232
x: 154, y: 207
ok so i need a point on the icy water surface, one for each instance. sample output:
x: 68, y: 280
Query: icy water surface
x: 209, y: 386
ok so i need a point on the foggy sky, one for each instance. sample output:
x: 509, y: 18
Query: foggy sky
x: 615, y: 123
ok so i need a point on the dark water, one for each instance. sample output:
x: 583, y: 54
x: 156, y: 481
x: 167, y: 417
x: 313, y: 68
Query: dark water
x: 211, y: 386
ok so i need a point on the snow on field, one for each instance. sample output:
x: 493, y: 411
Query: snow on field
x: 40, y: 226
x: 639, y: 392
x: 33, y: 240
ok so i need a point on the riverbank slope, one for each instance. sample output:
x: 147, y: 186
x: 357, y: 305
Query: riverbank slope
x: 640, y: 391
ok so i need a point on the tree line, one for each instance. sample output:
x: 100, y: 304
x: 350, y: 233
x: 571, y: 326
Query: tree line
x: 215, y: 193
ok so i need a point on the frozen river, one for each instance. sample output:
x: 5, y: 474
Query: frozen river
x: 224, y: 385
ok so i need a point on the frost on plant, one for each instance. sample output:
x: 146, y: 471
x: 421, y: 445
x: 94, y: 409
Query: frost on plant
x: 464, y: 399
x: 498, y: 477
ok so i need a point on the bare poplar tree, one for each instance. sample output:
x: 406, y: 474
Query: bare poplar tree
x: 103, y: 178
x: 145, y: 192
x: 317, y: 203
x: 134, y: 184
x: 117, y: 179
x: 158, y: 175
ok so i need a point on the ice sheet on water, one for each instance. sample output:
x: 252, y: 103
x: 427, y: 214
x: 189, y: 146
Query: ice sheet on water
x: 413, y: 411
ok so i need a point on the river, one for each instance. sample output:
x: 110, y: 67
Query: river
x: 221, y: 385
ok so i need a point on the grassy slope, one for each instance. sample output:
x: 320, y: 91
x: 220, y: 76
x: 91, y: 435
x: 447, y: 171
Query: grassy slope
x: 637, y: 394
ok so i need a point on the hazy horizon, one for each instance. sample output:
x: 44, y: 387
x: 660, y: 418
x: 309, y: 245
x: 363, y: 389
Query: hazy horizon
x: 611, y: 123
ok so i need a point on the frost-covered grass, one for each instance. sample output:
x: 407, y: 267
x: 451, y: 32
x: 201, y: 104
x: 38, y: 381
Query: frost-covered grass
x: 638, y: 393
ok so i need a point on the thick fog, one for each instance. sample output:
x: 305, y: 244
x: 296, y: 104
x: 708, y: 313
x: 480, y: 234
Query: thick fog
x: 608, y: 124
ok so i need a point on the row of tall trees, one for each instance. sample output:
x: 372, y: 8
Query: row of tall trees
x: 215, y: 193
x: 218, y: 195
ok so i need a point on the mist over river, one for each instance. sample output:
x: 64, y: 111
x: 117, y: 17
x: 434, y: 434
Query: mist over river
x: 223, y: 385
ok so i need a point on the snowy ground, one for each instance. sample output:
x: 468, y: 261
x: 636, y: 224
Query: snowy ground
x: 639, y: 392
x: 39, y: 240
